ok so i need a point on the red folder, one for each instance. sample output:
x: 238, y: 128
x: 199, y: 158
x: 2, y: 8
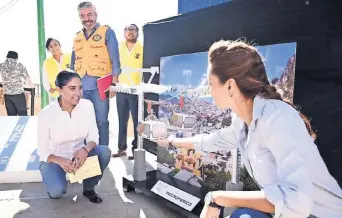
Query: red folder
x: 103, y: 84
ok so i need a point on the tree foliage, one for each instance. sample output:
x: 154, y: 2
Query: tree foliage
x: 248, y: 182
x: 215, y: 180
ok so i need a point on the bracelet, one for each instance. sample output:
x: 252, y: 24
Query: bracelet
x: 214, y: 205
x: 85, y: 150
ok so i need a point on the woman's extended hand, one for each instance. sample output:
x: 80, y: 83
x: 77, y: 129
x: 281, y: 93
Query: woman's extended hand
x: 66, y: 164
x: 212, y: 212
x: 80, y: 157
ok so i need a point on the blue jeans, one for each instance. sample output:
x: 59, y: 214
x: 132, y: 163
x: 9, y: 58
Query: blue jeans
x: 101, y: 112
x: 126, y: 103
x: 54, y: 176
x: 249, y: 213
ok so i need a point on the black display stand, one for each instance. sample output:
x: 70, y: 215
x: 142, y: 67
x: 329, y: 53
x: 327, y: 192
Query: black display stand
x: 152, y: 179
x: 313, y: 24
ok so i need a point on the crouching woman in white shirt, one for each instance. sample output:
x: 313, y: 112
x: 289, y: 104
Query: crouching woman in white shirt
x: 67, y: 135
x: 275, y: 140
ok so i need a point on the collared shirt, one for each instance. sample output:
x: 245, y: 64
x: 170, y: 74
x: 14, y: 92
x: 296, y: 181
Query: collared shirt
x: 13, y: 76
x: 89, y: 82
x: 132, y: 59
x: 61, y: 134
x: 46, y: 82
x: 283, y: 159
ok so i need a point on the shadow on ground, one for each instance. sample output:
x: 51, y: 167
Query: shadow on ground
x: 30, y: 200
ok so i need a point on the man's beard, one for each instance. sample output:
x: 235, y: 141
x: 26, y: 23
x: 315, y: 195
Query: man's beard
x: 132, y: 40
x: 87, y: 23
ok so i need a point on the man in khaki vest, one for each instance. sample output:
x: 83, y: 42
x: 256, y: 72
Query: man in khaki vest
x: 95, y: 54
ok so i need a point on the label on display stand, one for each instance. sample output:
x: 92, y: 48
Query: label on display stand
x: 175, y: 195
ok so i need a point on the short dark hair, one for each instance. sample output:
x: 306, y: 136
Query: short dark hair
x: 48, y: 42
x: 132, y: 24
x: 64, y: 77
x: 12, y: 54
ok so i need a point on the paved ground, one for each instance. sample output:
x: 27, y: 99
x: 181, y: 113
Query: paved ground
x: 30, y: 200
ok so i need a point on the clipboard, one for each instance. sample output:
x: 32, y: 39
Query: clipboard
x: 89, y: 169
x: 103, y: 84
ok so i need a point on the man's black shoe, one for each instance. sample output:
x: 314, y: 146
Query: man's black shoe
x: 92, y: 196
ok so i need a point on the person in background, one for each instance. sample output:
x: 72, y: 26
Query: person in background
x: 275, y: 140
x: 131, y: 56
x: 95, y: 54
x: 67, y: 135
x: 53, y: 65
x: 14, y: 77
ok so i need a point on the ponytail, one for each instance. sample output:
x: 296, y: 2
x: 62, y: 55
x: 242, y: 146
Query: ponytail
x: 270, y: 92
x: 242, y: 62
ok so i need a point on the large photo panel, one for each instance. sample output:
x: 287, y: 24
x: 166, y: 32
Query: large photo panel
x: 188, y: 110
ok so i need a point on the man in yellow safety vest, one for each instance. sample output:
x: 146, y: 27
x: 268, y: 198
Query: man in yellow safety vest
x: 131, y: 55
x: 95, y: 54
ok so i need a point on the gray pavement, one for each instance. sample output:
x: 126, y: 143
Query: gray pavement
x: 30, y: 200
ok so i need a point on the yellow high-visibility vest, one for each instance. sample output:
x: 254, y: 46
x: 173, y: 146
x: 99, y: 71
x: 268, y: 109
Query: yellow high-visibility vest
x: 91, y: 56
x: 52, y: 69
x: 133, y: 59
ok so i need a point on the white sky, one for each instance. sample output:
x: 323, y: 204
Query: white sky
x: 20, y: 33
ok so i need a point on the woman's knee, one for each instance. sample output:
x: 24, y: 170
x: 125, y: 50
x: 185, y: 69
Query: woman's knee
x: 104, y: 154
x: 56, y: 192
x: 249, y: 213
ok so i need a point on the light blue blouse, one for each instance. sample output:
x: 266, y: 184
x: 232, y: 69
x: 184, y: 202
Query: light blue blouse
x: 283, y: 158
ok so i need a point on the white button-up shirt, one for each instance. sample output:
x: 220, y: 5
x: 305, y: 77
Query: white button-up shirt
x: 283, y: 159
x: 61, y: 134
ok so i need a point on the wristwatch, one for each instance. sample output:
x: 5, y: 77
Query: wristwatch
x: 209, y: 199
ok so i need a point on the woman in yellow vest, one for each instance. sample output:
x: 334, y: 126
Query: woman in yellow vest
x: 53, y: 65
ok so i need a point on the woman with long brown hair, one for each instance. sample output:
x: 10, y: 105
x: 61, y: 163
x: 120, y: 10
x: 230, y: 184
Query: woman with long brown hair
x: 276, y: 141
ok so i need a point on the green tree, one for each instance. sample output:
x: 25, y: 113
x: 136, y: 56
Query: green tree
x: 215, y: 180
x: 248, y: 182
x: 174, y: 172
x: 170, y: 160
x: 164, y: 156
